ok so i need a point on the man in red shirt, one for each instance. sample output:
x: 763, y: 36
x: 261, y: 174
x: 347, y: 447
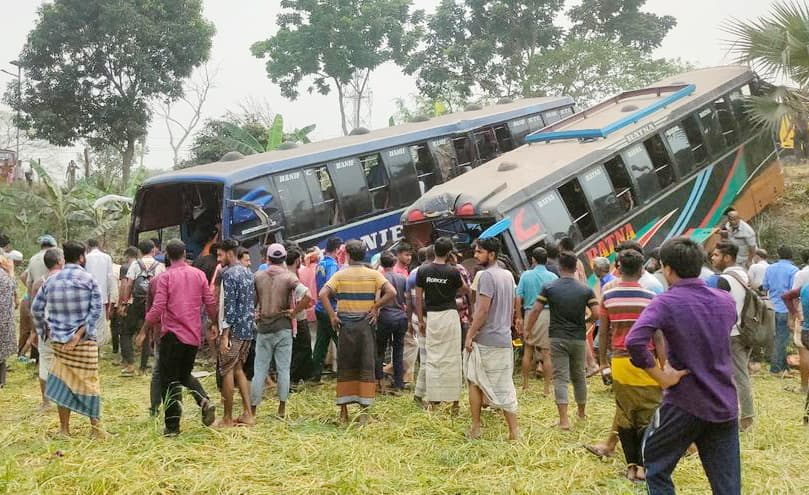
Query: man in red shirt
x: 180, y: 295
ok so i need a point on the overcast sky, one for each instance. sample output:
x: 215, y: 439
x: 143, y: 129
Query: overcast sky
x: 697, y: 38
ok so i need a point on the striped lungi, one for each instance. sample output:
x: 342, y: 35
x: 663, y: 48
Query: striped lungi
x: 491, y: 370
x: 73, y: 379
x: 356, y: 361
x: 637, y: 395
x: 443, y: 365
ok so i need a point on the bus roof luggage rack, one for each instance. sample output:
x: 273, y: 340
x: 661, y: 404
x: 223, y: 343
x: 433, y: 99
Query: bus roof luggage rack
x: 550, y: 133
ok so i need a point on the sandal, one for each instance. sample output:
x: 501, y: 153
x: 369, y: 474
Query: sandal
x: 599, y: 451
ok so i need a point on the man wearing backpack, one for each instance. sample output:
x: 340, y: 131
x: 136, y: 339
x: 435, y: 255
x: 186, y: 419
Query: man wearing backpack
x: 733, y: 278
x: 132, y: 302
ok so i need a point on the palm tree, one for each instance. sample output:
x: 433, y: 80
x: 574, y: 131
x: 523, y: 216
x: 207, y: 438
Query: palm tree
x: 240, y: 139
x: 777, y: 47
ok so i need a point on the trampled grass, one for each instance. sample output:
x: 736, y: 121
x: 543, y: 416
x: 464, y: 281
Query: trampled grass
x: 404, y: 449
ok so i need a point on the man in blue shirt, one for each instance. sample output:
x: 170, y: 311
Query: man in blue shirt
x: 530, y: 286
x: 327, y: 267
x: 778, y: 280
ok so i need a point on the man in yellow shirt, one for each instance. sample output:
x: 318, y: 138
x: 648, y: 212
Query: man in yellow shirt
x: 356, y: 288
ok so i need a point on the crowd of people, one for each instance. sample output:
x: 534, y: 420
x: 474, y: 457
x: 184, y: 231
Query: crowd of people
x: 665, y: 329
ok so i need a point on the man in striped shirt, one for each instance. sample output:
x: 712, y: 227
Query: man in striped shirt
x: 637, y: 395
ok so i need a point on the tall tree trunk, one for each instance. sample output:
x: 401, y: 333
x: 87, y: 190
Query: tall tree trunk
x: 126, y: 165
x: 86, y: 163
x: 342, y: 107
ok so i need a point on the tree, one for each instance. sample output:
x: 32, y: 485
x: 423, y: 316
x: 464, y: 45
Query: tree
x: 195, y: 94
x: 620, y: 21
x: 775, y: 45
x: 591, y: 70
x: 246, y: 133
x: 93, y: 66
x: 336, y: 44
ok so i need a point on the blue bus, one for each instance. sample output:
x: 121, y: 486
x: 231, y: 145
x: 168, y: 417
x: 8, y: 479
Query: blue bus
x: 354, y: 186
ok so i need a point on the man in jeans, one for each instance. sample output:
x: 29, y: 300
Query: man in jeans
x: 327, y: 267
x: 699, y: 398
x: 275, y: 287
x: 778, y: 280
x: 392, y: 325
x: 733, y: 279
x: 179, y: 297
x: 568, y: 300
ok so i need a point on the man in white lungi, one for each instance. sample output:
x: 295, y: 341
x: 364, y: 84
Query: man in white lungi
x: 488, y: 356
x: 437, y: 285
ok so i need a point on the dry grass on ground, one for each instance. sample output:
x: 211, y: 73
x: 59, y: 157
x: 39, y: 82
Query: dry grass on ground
x: 404, y: 450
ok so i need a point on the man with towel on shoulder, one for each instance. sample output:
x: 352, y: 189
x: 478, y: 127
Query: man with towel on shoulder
x: 488, y: 358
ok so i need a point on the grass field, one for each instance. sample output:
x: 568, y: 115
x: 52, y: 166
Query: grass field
x: 404, y: 449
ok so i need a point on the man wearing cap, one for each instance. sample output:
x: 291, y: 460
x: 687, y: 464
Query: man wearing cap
x: 274, y: 289
x: 36, y: 271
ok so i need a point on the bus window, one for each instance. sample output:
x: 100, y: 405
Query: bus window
x: 426, y: 170
x: 259, y: 192
x: 486, y: 145
x: 377, y: 179
x: 293, y: 193
x: 444, y: 154
x: 621, y: 183
x: 551, y: 116
x: 535, y: 122
x: 573, y: 196
x: 713, y: 133
x: 566, y: 112
x: 404, y: 184
x: 640, y: 166
x: 352, y: 191
x: 695, y: 139
x: 324, y: 197
x: 504, y: 139
x: 465, y: 154
x: 737, y: 103
x: 555, y: 217
x: 518, y: 128
x: 597, y: 187
x: 660, y: 160
x: 726, y: 122
x: 681, y: 149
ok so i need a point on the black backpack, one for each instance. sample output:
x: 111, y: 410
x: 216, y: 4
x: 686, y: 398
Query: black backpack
x: 140, y: 287
x: 757, y: 319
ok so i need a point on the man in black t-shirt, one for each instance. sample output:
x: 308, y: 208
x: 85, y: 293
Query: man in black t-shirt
x: 568, y: 300
x: 437, y: 285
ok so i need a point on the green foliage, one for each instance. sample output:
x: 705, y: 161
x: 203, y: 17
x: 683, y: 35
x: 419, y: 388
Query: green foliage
x: 499, y: 47
x: 67, y: 213
x: 591, y: 70
x: 327, y: 43
x: 620, y: 21
x: 775, y: 46
x: 246, y: 134
x: 94, y: 66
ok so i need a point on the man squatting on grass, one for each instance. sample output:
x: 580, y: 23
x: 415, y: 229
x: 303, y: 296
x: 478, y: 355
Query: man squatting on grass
x: 699, y: 398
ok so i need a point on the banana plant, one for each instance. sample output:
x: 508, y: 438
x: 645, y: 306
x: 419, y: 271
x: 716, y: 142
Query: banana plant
x: 239, y: 139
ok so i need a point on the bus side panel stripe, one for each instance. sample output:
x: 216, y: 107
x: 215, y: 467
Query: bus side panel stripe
x: 711, y: 217
x: 699, y: 188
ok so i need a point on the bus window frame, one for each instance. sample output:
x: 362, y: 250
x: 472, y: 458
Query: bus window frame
x: 366, y: 172
x: 600, y: 215
x: 397, y: 185
x: 576, y: 235
x: 347, y: 203
x: 713, y: 153
x: 672, y: 163
x: 737, y: 134
x: 642, y: 197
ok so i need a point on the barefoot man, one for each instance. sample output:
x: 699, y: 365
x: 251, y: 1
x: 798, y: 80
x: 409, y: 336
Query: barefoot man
x: 488, y: 360
x: 356, y: 287
x: 236, y: 331
x: 66, y: 310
